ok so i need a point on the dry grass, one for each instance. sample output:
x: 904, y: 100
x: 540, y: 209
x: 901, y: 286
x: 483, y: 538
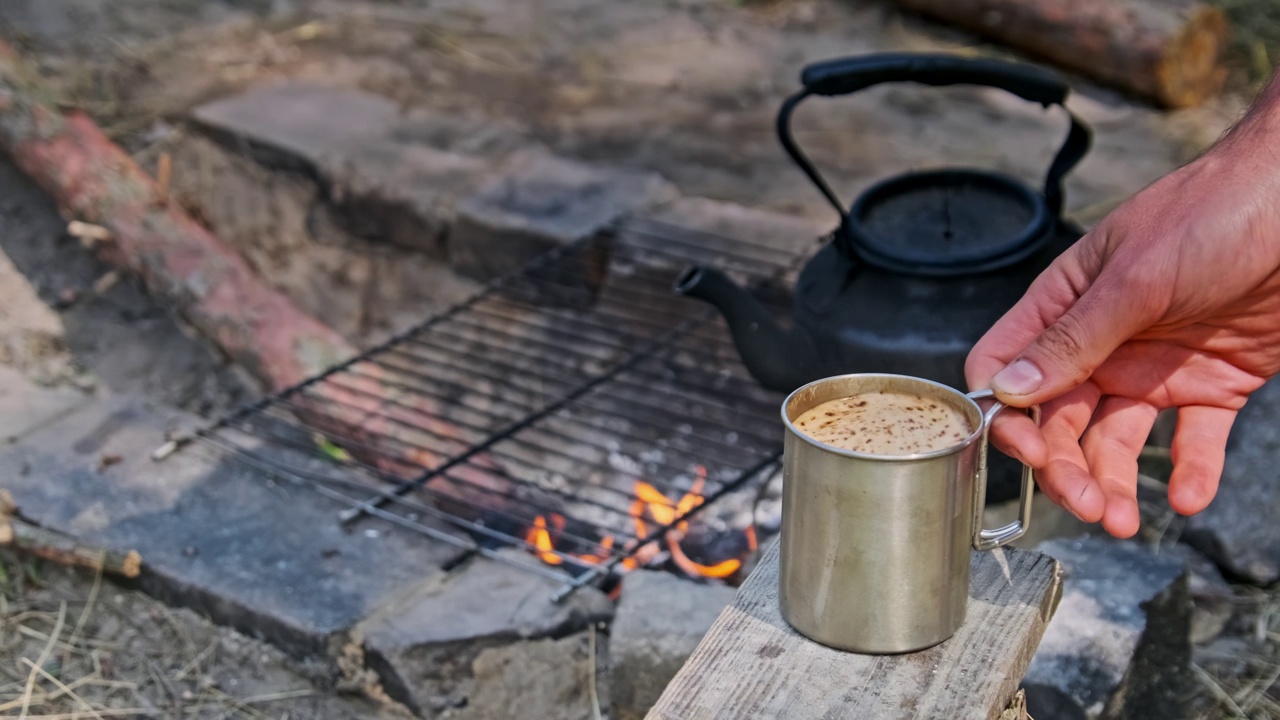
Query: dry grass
x: 75, y: 646
x: 1237, y: 669
x: 1255, y: 40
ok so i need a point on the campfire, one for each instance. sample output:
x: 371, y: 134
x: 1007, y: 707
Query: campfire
x: 654, y: 517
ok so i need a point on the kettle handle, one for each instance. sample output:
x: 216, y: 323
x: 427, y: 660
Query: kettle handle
x: 843, y: 76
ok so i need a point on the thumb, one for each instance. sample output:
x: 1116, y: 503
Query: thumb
x: 1066, y: 353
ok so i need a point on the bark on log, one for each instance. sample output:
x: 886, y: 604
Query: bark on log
x: 211, y: 286
x: 1167, y: 51
x: 62, y: 549
x: 216, y: 291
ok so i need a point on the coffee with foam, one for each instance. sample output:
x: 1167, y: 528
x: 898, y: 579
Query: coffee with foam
x: 886, y: 423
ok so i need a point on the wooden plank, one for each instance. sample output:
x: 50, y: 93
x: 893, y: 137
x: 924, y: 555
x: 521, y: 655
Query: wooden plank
x: 752, y: 664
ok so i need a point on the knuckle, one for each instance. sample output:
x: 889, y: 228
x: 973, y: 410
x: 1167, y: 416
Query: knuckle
x: 1063, y: 343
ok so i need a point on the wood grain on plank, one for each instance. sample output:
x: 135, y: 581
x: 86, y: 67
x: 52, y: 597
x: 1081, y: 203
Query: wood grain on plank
x: 751, y: 664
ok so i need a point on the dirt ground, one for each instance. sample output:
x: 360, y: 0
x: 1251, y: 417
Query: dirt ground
x: 105, y: 651
x: 686, y: 88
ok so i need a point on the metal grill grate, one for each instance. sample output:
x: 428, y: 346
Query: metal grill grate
x: 548, y: 394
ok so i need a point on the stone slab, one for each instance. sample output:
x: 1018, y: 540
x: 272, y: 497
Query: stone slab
x: 399, y: 192
x: 303, y: 123
x: 25, y: 407
x: 1239, y: 529
x: 660, y: 621
x: 423, y: 640
x: 384, y: 178
x: 537, y: 202
x: 1120, y: 643
x: 267, y: 559
x: 1213, y: 599
x: 548, y: 678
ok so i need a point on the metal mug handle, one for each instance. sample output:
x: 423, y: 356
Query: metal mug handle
x: 991, y: 539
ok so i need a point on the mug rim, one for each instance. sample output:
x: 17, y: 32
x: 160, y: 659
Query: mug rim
x: 943, y: 452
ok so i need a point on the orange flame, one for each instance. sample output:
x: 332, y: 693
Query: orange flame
x: 650, y: 505
x: 540, y: 539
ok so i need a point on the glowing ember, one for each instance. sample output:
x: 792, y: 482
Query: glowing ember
x: 540, y: 539
x: 651, y: 507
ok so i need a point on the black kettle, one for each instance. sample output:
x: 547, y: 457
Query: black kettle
x: 923, y: 263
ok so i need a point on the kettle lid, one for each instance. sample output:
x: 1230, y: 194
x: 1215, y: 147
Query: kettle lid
x: 947, y: 222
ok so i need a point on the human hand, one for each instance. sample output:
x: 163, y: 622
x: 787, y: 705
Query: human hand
x: 1172, y: 301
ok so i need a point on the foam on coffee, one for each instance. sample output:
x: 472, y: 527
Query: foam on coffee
x: 886, y: 423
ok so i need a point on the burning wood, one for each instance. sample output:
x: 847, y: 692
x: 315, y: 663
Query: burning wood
x: 651, y: 511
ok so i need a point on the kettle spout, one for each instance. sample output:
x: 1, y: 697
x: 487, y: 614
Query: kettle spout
x: 778, y: 359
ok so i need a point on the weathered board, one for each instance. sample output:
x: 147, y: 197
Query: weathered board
x: 752, y: 664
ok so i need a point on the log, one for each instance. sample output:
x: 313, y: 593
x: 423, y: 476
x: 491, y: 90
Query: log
x: 751, y: 664
x: 214, y: 289
x: 1169, y: 52
x: 210, y: 285
x: 25, y: 537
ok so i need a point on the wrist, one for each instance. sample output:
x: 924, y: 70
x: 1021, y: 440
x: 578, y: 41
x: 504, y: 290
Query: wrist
x: 1258, y: 132
x: 1250, y: 151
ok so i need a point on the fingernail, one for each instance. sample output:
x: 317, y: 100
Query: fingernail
x: 1019, y: 378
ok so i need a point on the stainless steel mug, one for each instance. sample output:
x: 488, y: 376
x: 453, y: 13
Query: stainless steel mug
x: 875, y: 548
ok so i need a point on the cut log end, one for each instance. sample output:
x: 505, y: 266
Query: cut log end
x: 1191, y: 70
x: 1169, y: 52
x: 131, y: 564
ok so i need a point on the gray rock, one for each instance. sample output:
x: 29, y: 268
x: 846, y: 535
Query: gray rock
x: 301, y: 125
x: 27, y: 408
x: 269, y: 560
x: 1212, y: 598
x: 538, y: 202
x: 1119, y: 645
x: 423, y: 642
x: 661, y: 619
x: 383, y: 178
x: 540, y: 678
x: 400, y: 193
x: 1239, y: 530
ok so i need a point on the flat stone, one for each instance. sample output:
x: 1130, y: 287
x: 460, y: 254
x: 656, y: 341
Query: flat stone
x: 270, y: 560
x: 661, y: 619
x: 384, y: 178
x: 399, y: 192
x: 1213, y: 600
x: 422, y: 641
x: 299, y: 123
x: 542, y: 678
x: 537, y: 202
x: 28, y: 408
x: 1119, y: 645
x: 1239, y: 529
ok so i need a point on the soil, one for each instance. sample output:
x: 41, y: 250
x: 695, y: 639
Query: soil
x: 115, y: 336
x: 120, y: 653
